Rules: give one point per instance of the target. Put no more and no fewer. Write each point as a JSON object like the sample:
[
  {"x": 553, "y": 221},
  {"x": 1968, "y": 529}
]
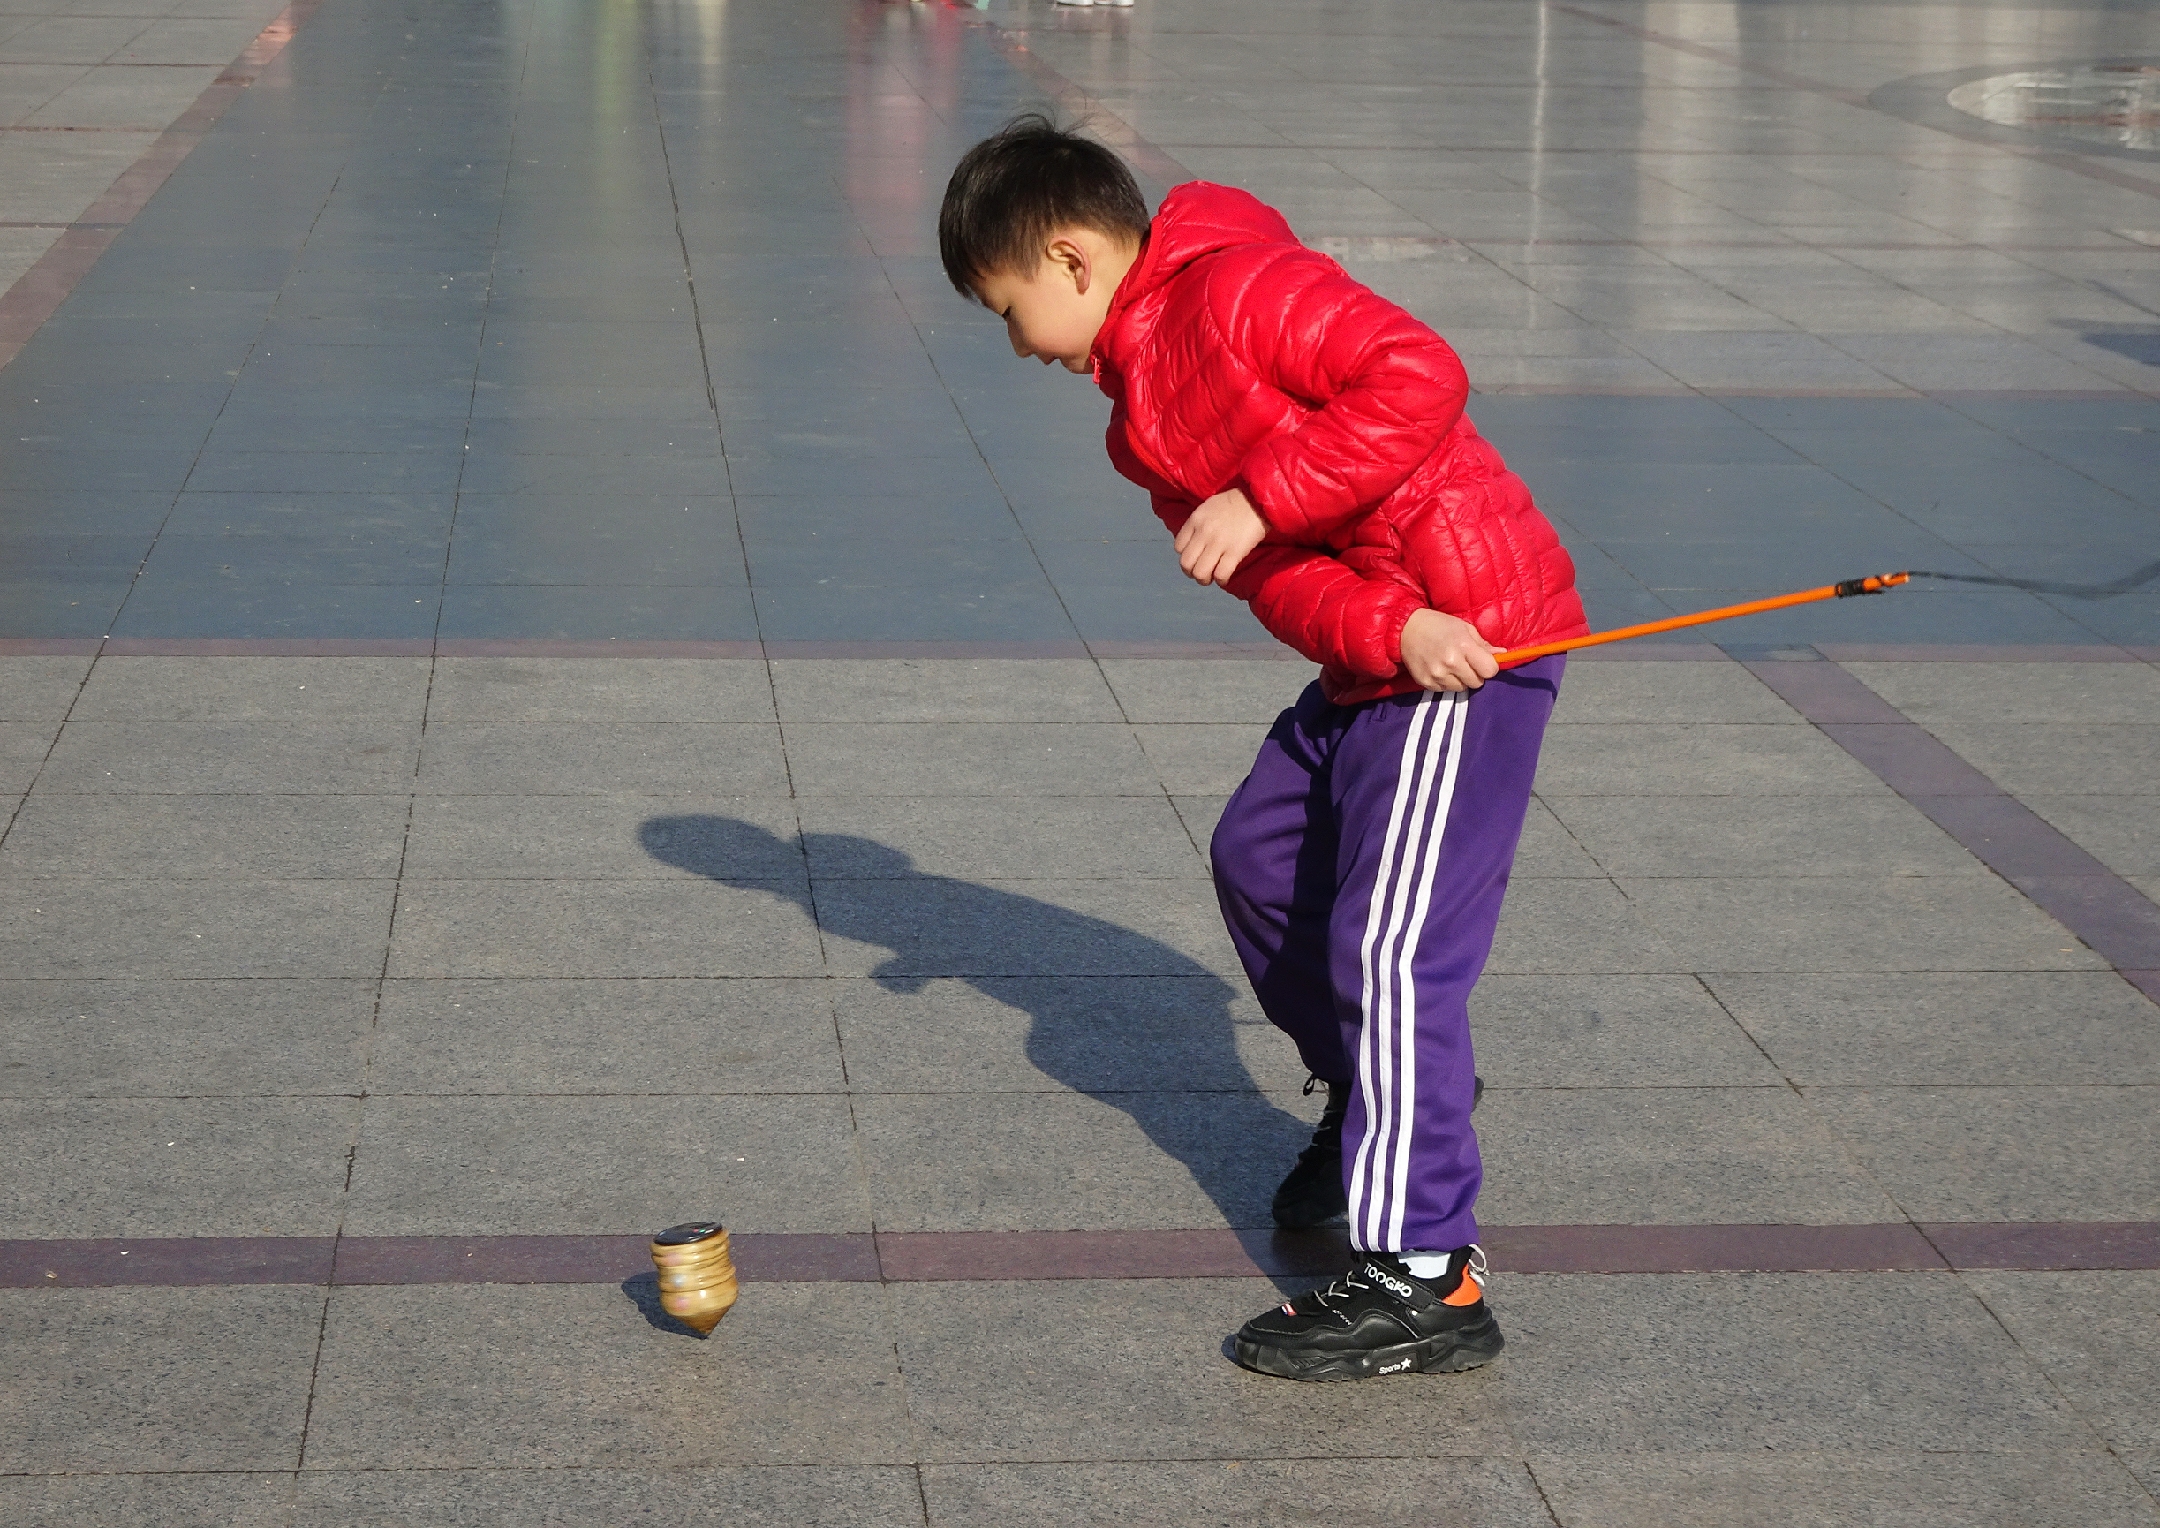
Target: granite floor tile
[
  {"x": 1698, "y": 759},
  {"x": 1610, "y": 1032},
  {"x": 1059, "y": 1161},
  {"x": 873, "y": 1496},
  {"x": 966, "y": 759},
  {"x": 1990, "y": 694},
  {"x": 389, "y": 691},
  {"x": 234, "y": 758},
  {"x": 1866, "y": 1486},
  {"x": 1577, "y": 927},
  {"x": 23, "y": 748},
  {"x": 564, "y": 1165},
  {"x": 1548, "y": 850},
  {"x": 908, "y": 690},
  {"x": 1664, "y": 694},
  {"x": 162, "y": 1379},
  {"x": 467, "y": 928},
  {"x": 2093, "y": 1334},
  {"x": 1854, "y": 923},
  {"x": 747, "y": 1036},
  {"x": 1222, "y": 690},
  {"x": 591, "y": 758},
  {"x": 1679, "y": 1364},
  {"x": 2003, "y": 1152},
  {"x": 1202, "y": 759},
  {"x": 2068, "y": 758},
  {"x": 39, "y": 690},
  {"x": 204, "y": 837},
  {"x": 1740, "y": 836},
  {"x": 228, "y": 1499},
  {"x": 2122, "y": 832},
  {"x": 1953, "y": 1029},
  {"x": 1233, "y": 1493},
  {"x": 176, "y": 1166},
  {"x": 981, "y": 1392},
  {"x": 1667, "y": 1155},
  {"x": 135, "y": 1039},
  {"x": 998, "y": 837},
  {"x": 903, "y": 930},
  {"x": 600, "y": 838},
  {"x": 74, "y": 927},
  {"x": 599, "y": 690},
  {"x": 555, "y": 1377}
]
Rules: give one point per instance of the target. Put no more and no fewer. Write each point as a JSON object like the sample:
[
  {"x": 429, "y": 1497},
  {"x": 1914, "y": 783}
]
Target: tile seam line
[{"x": 38, "y": 293}]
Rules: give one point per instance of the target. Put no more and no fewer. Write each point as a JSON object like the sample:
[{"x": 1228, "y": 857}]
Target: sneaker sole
[{"x": 1449, "y": 1353}]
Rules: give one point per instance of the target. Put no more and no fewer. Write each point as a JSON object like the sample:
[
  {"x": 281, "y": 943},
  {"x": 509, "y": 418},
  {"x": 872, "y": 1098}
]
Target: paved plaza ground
[{"x": 554, "y": 680}]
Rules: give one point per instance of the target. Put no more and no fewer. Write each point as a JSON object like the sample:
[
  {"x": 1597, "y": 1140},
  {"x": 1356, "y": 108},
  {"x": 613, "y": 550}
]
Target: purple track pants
[{"x": 1360, "y": 868}]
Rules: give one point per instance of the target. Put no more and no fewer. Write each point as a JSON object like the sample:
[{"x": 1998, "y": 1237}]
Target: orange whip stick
[{"x": 1846, "y": 590}]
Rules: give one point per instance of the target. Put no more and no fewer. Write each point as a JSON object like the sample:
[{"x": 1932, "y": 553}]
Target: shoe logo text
[
  {"x": 1386, "y": 1281},
  {"x": 1395, "y": 1368}
]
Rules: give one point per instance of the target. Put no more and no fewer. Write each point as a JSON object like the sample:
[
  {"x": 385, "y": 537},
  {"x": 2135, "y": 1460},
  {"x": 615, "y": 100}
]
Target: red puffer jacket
[{"x": 1237, "y": 357}]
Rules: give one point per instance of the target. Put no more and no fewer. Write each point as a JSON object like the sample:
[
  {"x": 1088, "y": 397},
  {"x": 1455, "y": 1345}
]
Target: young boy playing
[{"x": 1304, "y": 441}]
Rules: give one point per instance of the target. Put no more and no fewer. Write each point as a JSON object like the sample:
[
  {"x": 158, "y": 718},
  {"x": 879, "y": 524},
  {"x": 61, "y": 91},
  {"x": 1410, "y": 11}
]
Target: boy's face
[{"x": 1054, "y": 312}]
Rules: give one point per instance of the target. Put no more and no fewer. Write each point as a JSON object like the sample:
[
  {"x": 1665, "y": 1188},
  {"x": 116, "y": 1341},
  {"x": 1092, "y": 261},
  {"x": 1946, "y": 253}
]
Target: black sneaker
[
  {"x": 1379, "y": 1318},
  {"x": 1311, "y": 1194}
]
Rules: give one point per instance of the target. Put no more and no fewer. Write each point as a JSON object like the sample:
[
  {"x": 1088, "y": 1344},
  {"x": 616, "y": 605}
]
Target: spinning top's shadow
[
  {"x": 1161, "y": 1048},
  {"x": 643, "y": 1290}
]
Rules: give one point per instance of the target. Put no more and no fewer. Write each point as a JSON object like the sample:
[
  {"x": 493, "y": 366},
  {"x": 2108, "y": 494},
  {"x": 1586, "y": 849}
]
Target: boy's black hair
[{"x": 1010, "y": 191}]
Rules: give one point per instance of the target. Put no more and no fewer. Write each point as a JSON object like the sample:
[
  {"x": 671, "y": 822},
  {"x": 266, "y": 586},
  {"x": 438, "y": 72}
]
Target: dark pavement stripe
[
  {"x": 2110, "y": 915},
  {"x": 972, "y": 1256}
]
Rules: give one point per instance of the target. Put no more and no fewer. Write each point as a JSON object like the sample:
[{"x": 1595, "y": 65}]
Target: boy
[{"x": 1304, "y": 441}]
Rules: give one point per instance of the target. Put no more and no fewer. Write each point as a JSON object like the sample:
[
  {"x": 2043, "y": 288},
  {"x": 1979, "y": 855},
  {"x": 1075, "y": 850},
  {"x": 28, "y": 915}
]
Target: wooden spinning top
[{"x": 697, "y": 1277}]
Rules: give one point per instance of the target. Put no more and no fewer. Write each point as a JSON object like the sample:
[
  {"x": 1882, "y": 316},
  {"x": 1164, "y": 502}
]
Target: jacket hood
[{"x": 1194, "y": 220}]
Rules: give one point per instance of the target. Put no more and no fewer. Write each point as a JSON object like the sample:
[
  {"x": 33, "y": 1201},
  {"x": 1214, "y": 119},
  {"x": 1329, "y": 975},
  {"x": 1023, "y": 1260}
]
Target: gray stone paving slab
[
  {"x": 982, "y": 1388},
  {"x": 1210, "y": 690},
  {"x": 1694, "y": 759},
  {"x": 176, "y": 1166},
  {"x": 378, "y": 691},
  {"x": 610, "y": 837},
  {"x": 551, "y": 1377},
  {"x": 1671, "y": 1155},
  {"x": 506, "y": 1165},
  {"x": 135, "y": 1039},
  {"x": 592, "y": 758},
  {"x": 1855, "y": 923},
  {"x": 1970, "y": 1029},
  {"x": 1661, "y": 694},
  {"x": 73, "y": 927},
  {"x": 860, "y": 1497},
  {"x": 39, "y": 689},
  {"x": 2061, "y": 757},
  {"x": 602, "y": 929},
  {"x": 1858, "y": 836},
  {"x": 1566, "y": 927},
  {"x": 223, "y": 1500},
  {"x": 999, "y": 837},
  {"x": 1057, "y": 1161},
  {"x": 2122, "y": 832},
  {"x": 2093, "y": 1335},
  {"x": 1727, "y": 1361},
  {"x": 244, "y": 757},
  {"x": 1230, "y": 1493},
  {"x": 897, "y": 930},
  {"x": 606, "y": 1037},
  {"x": 940, "y": 690},
  {"x": 1610, "y": 1032},
  {"x": 1202, "y": 759},
  {"x": 599, "y": 690},
  {"x": 1967, "y": 693},
  {"x": 1983, "y": 1489},
  {"x": 966, "y": 759},
  {"x": 357, "y": 837},
  {"x": 162, "y": 1379},
  {"x": 1967, "y": 1153},
  {"x": 23, "y": 747}
]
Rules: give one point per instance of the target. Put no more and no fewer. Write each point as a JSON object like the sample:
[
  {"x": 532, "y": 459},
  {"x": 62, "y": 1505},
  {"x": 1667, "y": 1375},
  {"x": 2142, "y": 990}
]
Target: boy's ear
[{"x": 1072, "y": 258}]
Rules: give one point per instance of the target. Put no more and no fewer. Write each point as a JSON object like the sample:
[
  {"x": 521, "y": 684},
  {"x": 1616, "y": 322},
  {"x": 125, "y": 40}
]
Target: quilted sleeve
[
  {"x": 1386, "y": 390},
  {"x": 1326, "y": 610}
]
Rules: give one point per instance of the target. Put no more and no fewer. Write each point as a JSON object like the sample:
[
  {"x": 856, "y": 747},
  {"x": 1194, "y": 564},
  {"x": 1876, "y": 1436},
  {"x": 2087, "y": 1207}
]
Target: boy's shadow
[{"x": 1159, "y": 1046}]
